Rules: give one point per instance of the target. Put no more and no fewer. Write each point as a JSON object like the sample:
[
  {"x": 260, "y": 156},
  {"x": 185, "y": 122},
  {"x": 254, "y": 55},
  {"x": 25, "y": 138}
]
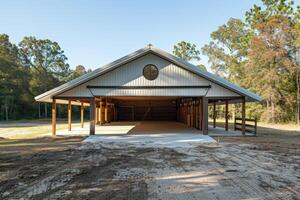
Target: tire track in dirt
[
  {"x": 55, "y": 178},
  {"x": 277, "y": 175},
  {"x": 247, "y": 183}
]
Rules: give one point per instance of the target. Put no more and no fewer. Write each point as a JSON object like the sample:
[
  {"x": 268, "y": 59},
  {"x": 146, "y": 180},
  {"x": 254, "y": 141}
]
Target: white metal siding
[
  {"x": 131, "y": 74},
  {"x": 189, "y": 92}
]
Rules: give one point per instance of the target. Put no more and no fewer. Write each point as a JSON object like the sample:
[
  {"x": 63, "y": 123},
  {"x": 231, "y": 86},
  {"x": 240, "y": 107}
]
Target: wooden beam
[
  {"x": 82, "y": 115},
  {"x": 92, "y": 116},
  {"x": 243, "y": 116},
  {"x": 226, "y": 115},
  {"x": 205, "y": 115},
  {"x": 53, "y": 117},
  {"x": 69, "y": 115}
]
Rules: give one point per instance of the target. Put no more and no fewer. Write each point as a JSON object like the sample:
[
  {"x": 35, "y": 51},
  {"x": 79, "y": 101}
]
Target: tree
[
  {"x": 79, "y": 70},
  {"x": 13, "y": 80},
  {"x": 47, "y": 64},
  {"x": 270, "y": 65},
  {"x": 186, "y": 51},
  {"x": 202, "y": 67},
  {"x": 228, "y": 50},
  {"x": 262, "y": 53}
]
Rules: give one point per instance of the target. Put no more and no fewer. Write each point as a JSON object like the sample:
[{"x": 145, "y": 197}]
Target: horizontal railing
[{"x": 250, "y": 128}]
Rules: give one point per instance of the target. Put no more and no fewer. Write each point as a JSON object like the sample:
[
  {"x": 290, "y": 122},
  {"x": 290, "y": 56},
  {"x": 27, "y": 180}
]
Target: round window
[{"x": 150, "y": 72}]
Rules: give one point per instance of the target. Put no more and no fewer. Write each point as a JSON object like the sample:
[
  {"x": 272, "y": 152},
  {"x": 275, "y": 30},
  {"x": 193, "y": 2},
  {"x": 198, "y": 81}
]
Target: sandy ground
[{"x": 66, "y": 168}]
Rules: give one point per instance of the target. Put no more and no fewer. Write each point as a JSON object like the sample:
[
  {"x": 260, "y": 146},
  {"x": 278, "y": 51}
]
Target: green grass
[{"x": 25, "y": 129}]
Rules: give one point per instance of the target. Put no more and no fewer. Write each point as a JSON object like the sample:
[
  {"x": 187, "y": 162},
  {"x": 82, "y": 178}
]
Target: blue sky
[{"x": 94, "y": 33}]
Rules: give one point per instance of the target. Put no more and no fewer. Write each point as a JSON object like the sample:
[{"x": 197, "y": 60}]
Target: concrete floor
[
  {"x": 144, "y": 127},
  {"x": 125, "y": 128}
]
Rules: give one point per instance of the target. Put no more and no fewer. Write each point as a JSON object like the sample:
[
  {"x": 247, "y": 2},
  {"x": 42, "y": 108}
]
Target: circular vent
[{"x": 150, "y": 72}]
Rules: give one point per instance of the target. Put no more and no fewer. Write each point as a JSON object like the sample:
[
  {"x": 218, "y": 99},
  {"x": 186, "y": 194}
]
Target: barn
[{"x": 148, "y": 85}]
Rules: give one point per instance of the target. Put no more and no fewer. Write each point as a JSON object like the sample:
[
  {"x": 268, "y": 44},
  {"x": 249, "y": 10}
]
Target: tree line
[
  {"x": 28, "y": 69},
  {"x": 260, "y": 52}
]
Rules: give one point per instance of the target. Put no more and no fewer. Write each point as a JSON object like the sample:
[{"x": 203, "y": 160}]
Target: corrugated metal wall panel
[
  {"x": 150, "y": 92},
  {"x": 131, "y": 74}
]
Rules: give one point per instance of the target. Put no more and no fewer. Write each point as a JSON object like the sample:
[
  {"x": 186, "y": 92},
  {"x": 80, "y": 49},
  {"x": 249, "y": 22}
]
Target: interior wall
[{"x": 147, "y": 110}]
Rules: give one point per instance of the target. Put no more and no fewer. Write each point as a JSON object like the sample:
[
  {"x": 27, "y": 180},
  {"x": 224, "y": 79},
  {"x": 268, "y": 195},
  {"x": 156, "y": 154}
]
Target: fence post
[
  {"x": 234, "y": 124},
  {"x": 255, "y": 128}
]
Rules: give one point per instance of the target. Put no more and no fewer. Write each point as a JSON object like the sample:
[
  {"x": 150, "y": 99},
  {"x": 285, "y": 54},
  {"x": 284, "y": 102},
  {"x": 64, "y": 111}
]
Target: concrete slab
[
  {"x": 167, "y": 140},
  {"x": 143, "y": 128},
  {"x": 132, "y": 128}
]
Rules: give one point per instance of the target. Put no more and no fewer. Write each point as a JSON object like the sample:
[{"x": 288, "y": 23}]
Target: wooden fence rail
[{"x": 250, "y": 128}]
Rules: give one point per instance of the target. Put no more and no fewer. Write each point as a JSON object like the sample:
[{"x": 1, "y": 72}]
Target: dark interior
[{"x": 147, "y": 110}]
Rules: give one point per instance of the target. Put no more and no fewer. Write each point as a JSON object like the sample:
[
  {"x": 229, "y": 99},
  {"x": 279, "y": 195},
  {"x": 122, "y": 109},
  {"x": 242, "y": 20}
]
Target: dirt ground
[{"x": 235, "y": 168}]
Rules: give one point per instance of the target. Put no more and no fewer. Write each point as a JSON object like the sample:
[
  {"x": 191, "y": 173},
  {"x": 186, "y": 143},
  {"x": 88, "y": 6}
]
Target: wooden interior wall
[
  {"x": 185, "y": 110},
  {"x": 154, "y": 110},
  {"x": 190, "y": 111}
]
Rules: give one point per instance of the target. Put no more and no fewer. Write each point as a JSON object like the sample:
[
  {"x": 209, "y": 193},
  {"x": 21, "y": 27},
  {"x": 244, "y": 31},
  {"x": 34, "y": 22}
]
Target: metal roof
[{"x": 250, "y": 96}]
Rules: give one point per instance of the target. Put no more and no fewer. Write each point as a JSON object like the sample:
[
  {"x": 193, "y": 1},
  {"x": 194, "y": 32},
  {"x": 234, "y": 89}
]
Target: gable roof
[{"x": 250, "y": 96}]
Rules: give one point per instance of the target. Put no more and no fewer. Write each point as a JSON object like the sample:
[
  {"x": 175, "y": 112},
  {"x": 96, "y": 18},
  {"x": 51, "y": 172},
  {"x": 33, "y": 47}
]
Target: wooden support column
[
  {"x": 82, "y": 114},
  {"x": 197, "y": 114},
  {"x": 189, "y": 114},
  {"x": 92, "y": 116},
  {"x": 115, "y": 113},
  {"x": 101, "y": 112},
  {"x": 200, "y": 113},
  {"x": 214, "y": 114},
  {"x": 106, "y": 112},
  {"x": 243, "y": 116},
  {"x": 69, "y": 115},
  {"x": 53, "y": 117},
  {"x": 192, "y": 114},
  {"x": 205, "y": 115},
  {"x": 226, "y": 115},
  {"x": 97, "y": 114}
]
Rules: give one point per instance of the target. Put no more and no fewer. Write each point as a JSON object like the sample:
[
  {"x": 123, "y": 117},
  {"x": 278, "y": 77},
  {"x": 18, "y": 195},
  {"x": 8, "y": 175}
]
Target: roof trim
[{"x": 250, "y": 96}]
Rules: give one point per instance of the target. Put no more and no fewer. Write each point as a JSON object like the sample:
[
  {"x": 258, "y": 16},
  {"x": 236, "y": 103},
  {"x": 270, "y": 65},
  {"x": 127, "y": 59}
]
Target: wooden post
[
  {"x": 69, "y": 115},
  {"x": 92, "y": 116},
  {"x": 101, "y": 112},
  {"x": 197, "y": 114},
  {"x": 192, "y": 113},
  {"x": 99, "y": 117},
  {"x": 226, "y": 115},
  {"x": 200, "y": 113},
  {"x": 214, "y": 114},
  {"x": 205, "y": 115},
  {"x": 97, "y": 114},
  {"x": 82, "y": 114},
  {"x": 243, "y": 116},
  {"x": 106, "y": 110},
  {"x": 115, "y": 113},
  {"x": 53, "y": 117},
  {"x": 234, "y": 125},
  {"x": 132, "y": 113},
  {"x": 255, "y": 127}
]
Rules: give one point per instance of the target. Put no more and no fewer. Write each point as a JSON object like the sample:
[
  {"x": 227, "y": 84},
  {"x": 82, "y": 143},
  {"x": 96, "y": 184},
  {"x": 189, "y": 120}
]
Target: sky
[{"x": 93, "y": 33}]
